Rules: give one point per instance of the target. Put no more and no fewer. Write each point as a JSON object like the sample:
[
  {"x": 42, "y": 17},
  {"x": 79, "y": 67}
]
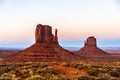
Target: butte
[
  {"x": 45, "y": 49},
  {"x": 90, "y": 48}
]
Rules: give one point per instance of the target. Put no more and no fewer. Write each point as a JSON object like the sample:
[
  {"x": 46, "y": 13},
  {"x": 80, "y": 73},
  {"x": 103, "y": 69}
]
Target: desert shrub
[
  {"x": 64, "y": 78},
  {"x": 93, "y": 72},
  {"x": 78, "y": 66},
  {"x": 43, "y": 65},
  {"x": 104, "y": 70},
  {"x": 28, "y": 63},
  {"x": 85, "y": 78},
  {"x": 20, "y": 64},
  {"x": 74, "y": 65},
  {"x": 118, "y": 69},
  {"x": 54, "y": 63},
  {"x": 6, "y": 69},
  {"x": 94, "y": 66},
  {"x": 65, "y": 64},
  {"x": 1, "y": 71},
  {"x": 102, "y": 78},
  {"x": 25, "y": 75},
  {"x": 49, "y": 76},
  {"x": 35, "y": 77},
  {"x": 82, "y": 67},
  {"x": 16, "y": 72},
  {"x": 49, "y": 70},
  {"x": 6, "y": 77},
  {"x": 115, "y": 74},
  {"x": 35, "y": 65}
]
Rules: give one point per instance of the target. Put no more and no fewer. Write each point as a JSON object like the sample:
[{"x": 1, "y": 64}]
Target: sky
[{"x": 75, "y": 20}]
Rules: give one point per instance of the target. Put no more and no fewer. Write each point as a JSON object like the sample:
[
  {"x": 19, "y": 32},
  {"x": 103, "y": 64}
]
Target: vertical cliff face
[
  {"x": 90, "y": 48},
  {"x": 46, "y": 48},
  {"x": 91, "y": 41},
  {"x": 43, "y": 34}
]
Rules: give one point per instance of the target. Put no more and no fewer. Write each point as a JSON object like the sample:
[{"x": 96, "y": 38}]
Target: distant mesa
[
  {"x": 46, "y": 48},
  {"x": 90, "y": 48}
]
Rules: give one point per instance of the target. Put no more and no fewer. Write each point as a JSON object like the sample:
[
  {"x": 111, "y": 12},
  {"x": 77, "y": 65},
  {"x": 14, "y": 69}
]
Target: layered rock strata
[{"x": 46, "y": 48}]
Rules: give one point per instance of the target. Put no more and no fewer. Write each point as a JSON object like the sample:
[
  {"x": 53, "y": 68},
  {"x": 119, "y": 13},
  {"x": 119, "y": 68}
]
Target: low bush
[
  {"x": 49, "y": 70},
  {"x": 102, "y": 78},
  {"x": 65, "y": 64},
  {"x": 85, "y": 78},
  {"x": 79, "y": 66},
  {"x": 115, "y": 74},
  {"x": 35, "y": 77},
  {"x": 25, "y": 75},
  {"x": 93, "y": 72},
  {"x": 43, "y": 65}
]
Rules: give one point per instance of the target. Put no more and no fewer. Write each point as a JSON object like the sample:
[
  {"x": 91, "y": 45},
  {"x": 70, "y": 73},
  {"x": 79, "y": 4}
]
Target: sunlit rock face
[
  {"x": 91, "y": 41},
  {"x": 90, "y": 48},
  {"x": 45, "y": 48},
  {"x": 43, "y": 34}
]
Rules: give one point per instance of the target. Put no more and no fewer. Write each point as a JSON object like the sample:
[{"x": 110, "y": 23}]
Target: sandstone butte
[
  {"x": 90, "y": 48},
  {"x": 46, "y": 48}
]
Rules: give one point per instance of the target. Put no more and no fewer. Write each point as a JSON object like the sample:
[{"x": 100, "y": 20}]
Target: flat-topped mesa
[
  {"x": 91, "y": 41},
  {"x": 43, "y": 34}
]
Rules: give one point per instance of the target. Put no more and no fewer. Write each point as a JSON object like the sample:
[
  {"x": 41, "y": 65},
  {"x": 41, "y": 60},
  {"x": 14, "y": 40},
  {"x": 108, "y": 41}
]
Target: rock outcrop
[
  {"x": 43, "y": 34},
  {"x": 91, "y": 41},
  {"x": 46, "y": 48},
  {"x": 90, "y": 48}
]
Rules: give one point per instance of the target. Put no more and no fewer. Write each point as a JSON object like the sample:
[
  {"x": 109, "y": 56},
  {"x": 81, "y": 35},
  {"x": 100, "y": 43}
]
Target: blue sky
[{"x": 74, "y": 19}]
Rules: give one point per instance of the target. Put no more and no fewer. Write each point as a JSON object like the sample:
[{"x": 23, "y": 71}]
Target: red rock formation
[
  {"x": 56, "y": 37},
  {"x": 91, "y": 41},
  {"x": 46, "y": 48},
  {"x": 43, "y": 34},
  {"x": 90, "y": 48}
]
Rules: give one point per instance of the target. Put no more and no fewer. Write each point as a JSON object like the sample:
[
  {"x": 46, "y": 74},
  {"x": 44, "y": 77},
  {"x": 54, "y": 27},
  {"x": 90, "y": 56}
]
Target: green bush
[
  {"x": 74, "y": 65},
  {"x": 102, "y": 78},
  {"x": 65, "y": 64},
  {"x": 35, "y": 65},
  {"x": 64, "y": 78},
  {"x": 7, "y": 69},
  {"x": 106, "y": 69},
  {"x": 97, "y": 66},
  {"x": 35, "y": 77},
  {"x": 49, "y": 70},
  {"x": 7, "y": 77},
  {"x": 43, "y": 65},
  {"x": 16, "y": 72},
  {"x": 85, "y": 78},
  {"x": 79, "y": 66},
  {"x": 93, "y": 72},
  {"x": 26, "y": 75},
  {"x": 115, "y": 74}
]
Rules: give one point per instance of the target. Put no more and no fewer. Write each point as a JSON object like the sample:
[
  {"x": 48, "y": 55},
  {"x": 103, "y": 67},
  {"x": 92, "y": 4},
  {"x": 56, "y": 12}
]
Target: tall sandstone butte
[
  {"x": 90, "y": 48},
  {"x": 91, "y": 41},
  {"x": 46, "y": 48},
  {"x": 43, "y": 34}
]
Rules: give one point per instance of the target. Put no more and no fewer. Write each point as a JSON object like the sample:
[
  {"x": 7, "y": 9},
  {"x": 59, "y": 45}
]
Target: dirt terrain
[{"x": 4, "y": 53}]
